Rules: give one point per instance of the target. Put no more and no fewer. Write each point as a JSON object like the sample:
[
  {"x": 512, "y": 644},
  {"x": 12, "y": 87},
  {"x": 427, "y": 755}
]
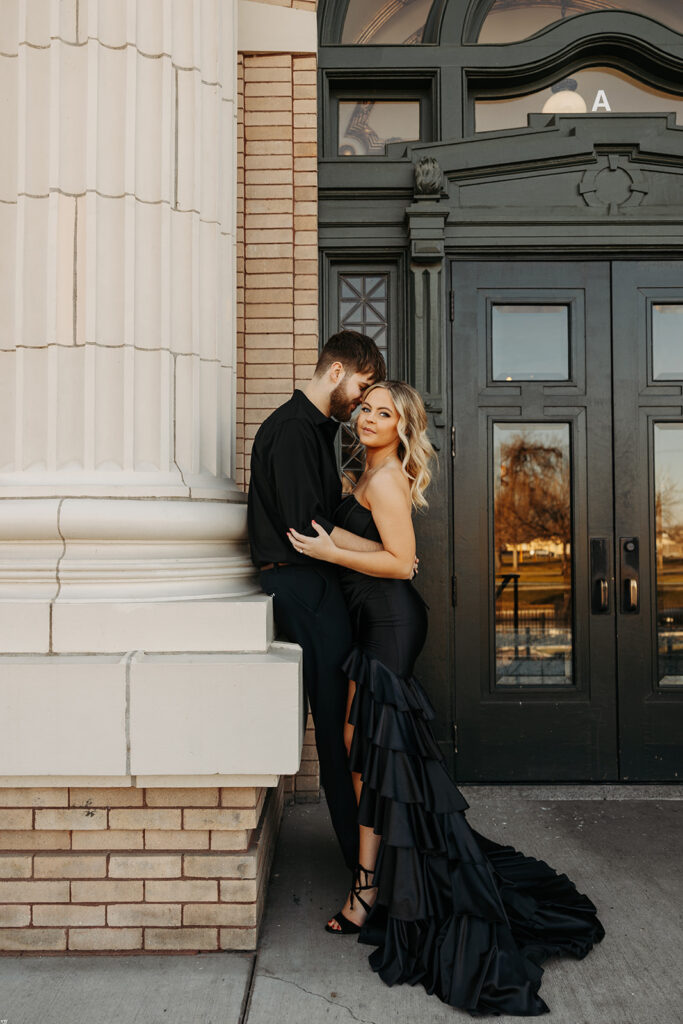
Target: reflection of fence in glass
[
  {"x": 532, "y": 545},
  {"x": 669, "y": 551}
]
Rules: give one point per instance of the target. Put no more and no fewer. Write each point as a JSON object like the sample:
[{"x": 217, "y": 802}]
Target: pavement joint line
[
  {"x": 248, "y": 991},
  {"x": 318, "y": 995}
]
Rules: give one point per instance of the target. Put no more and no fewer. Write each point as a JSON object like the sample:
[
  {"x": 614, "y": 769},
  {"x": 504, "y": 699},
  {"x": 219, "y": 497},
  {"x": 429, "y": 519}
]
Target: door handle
[
  {"x": 629, "y": 557},
  {"x": 600, "y": 572},
  {"x": 631, "y": 595},
  {"x": 603, "y": 594}
]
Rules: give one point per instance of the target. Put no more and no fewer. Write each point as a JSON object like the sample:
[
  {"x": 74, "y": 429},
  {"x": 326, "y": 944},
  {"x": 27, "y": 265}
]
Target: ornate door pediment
[{"x": 573, "y": 181}]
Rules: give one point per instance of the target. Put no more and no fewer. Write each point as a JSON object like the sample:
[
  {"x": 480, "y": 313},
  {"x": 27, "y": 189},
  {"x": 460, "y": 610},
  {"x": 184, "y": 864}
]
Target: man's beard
[{"x": 341, "y": 408}]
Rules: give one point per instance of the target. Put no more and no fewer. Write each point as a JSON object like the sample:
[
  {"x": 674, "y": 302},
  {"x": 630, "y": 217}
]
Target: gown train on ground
[{"x": 468, "y": 918}]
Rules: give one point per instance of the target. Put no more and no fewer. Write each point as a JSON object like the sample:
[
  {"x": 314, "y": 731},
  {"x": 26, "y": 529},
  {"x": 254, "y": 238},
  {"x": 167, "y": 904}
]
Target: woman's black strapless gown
[{"x": 469, "y": 919}]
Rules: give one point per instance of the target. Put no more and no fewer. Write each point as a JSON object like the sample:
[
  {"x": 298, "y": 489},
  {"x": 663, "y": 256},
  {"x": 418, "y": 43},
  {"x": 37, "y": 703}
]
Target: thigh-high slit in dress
[{"x": 466, "y": 917}]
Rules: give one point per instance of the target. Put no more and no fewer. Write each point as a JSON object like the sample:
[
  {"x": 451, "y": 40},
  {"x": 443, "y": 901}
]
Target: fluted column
[{"x": 117, "y": 340}]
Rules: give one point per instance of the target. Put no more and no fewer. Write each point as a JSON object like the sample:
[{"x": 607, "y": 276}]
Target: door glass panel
[
  {"x": 508, "y": 21},
  {"x": 530, "y": 342},
  {"x": 669, "y": 551},
  {"x": 667, "y": 342},
  {"x": 386, "y": 21},
  {"x": 597, "y": 90},
  {"x": 366, "y": 126},
  {"x": 532, "y": 549},
  {"x": 363, "y": 306}
]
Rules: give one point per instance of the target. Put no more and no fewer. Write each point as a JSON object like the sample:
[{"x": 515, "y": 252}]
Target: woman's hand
[{"x": 321, "y": 547}]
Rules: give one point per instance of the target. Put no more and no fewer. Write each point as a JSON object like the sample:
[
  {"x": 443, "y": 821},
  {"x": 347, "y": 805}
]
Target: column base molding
[{"x": 139, "y": 549}]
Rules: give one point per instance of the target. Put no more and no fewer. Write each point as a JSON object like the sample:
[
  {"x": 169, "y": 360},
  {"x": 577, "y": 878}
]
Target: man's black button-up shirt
[{"x": 294, "y": 479}]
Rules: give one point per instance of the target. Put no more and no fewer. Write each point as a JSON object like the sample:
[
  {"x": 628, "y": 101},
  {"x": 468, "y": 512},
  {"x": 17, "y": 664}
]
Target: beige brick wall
[
  {"x": 277, "y": 250},
  {"x": 134, "y": 869},
  {"x": 304, "y": 787},
  {"x": 277, "y": 261}
]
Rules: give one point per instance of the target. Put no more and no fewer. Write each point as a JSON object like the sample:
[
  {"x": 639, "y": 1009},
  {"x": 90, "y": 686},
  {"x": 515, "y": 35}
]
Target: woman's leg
[{"x": 368, "y": 840}]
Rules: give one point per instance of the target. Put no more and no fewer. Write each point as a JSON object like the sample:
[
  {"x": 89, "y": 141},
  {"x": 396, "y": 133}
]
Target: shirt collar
[{"x": 313, "y": 413}]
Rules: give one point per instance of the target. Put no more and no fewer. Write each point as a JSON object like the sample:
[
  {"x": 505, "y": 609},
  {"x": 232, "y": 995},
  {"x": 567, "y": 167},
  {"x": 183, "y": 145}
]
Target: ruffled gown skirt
[{"x": 468, "y": 918}]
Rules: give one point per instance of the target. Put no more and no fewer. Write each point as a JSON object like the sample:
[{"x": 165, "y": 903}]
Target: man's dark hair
[{"x": 355, "y": 351}]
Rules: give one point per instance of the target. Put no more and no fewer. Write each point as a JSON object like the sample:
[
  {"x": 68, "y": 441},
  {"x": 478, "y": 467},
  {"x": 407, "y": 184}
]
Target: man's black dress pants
[{"x": 310, "y": 611}]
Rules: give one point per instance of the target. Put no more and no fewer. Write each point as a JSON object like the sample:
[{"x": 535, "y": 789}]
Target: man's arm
[{"x": 298, "y": 487}]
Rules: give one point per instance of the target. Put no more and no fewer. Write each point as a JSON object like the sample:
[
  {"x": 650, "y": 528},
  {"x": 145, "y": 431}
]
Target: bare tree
[{"x": 533, "y": 499}]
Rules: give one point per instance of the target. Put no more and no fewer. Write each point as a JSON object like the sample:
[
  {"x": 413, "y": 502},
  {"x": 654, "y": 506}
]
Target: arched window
[
  {"x": 386, "y": 21},
  {"x": 509, "y": 21}
]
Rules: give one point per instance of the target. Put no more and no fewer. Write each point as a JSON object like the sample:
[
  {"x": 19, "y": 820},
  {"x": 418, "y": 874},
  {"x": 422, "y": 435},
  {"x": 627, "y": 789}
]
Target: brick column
[
  {"x": 277, "y": 250},
  {"x": 277, "y": 262}
]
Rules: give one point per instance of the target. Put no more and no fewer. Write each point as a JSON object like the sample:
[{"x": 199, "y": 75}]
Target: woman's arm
[
  {"x": 389, "y": 501},
  {"x": 352, "y": 542}
]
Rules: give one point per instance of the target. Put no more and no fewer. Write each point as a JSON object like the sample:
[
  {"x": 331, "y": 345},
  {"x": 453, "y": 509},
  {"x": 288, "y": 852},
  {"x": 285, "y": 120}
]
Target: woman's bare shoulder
[{"x": 388, "y": 483}]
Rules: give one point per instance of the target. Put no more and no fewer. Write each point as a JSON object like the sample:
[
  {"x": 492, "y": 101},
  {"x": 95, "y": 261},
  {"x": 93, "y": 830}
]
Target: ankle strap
[{"x": 357, "y": 888}]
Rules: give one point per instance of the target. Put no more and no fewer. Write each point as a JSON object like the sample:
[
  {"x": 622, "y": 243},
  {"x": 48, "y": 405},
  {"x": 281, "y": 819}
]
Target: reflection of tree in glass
[
  {"x": 533, "y": 500},
  {"x": 669, "y": 508}
]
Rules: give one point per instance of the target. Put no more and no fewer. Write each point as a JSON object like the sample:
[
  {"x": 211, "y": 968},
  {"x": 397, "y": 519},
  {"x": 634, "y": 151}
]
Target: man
[{"x": 294, "y": 479}]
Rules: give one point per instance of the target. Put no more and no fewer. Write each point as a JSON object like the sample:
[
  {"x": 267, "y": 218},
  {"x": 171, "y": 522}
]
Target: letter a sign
[{"x": 600, "y": 102}]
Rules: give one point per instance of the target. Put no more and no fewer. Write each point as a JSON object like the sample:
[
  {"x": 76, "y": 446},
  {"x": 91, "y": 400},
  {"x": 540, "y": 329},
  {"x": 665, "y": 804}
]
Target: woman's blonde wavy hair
[{"x": 414, "y": 449}]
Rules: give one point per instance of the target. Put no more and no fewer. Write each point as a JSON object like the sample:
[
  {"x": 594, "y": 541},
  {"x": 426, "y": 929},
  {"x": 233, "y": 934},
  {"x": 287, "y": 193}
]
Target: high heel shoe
[{"x": 347, "y": 927}]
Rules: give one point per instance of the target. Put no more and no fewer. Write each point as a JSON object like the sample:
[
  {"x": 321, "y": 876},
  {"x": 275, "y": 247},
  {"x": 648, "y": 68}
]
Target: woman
[{"x": 468, "y": 918}]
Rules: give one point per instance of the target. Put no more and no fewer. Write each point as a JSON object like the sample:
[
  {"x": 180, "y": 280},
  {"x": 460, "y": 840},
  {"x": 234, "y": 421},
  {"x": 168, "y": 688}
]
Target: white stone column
[
  {"x": 129, "y": 608},
  {"x": 117, "y": 340}
]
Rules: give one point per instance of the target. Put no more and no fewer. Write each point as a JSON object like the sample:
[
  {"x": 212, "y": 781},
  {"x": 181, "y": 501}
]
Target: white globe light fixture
[{"x": 565, "y": 99}]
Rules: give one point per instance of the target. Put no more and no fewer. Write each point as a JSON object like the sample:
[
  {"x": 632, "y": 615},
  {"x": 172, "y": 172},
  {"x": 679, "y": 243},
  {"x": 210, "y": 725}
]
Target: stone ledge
[
  {"x": 220, "y": 625},
  {"x": 216, "y": 713},
  {"x": 195, "y": 719}
]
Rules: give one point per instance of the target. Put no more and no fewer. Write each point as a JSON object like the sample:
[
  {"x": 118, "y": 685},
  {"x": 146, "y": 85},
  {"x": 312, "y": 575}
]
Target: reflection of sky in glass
[
  {"x": 667, "y": 342},
  {"x": 511, "y": 20},
  {"x": 530, "y": 342},
  {"x": 669, "y": 469}
]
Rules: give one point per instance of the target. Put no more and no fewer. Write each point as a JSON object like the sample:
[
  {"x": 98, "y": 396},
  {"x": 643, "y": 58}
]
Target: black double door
[{"x": 568, "y": 519}]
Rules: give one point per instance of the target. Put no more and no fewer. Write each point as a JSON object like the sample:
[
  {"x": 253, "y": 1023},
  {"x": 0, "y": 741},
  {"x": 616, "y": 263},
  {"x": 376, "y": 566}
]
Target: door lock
[{"x": 630, "y": 575}]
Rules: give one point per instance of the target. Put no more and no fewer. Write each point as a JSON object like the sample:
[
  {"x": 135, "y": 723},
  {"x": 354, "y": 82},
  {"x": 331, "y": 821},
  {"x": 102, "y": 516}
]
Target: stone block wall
[{"x": 134, "y": 870}]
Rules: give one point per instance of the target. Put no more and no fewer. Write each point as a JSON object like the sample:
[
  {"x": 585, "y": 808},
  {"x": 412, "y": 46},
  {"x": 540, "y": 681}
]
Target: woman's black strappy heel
[{"x": 347, "y": 927}]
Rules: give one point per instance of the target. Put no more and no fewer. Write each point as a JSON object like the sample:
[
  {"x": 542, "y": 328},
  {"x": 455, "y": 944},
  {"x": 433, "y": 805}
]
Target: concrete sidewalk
[{"x": 623, "y": 851}]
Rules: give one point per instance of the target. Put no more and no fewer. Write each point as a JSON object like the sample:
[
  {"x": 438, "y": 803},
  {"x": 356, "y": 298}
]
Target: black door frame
[
  {"x": 651, "y": 717},
  {"x": 547, "y": 733},
  {"x": 507, "y": 195}
]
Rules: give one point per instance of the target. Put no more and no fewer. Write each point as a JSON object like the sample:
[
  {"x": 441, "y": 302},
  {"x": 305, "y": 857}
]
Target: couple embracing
[{"x": 469, "y": 919}]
